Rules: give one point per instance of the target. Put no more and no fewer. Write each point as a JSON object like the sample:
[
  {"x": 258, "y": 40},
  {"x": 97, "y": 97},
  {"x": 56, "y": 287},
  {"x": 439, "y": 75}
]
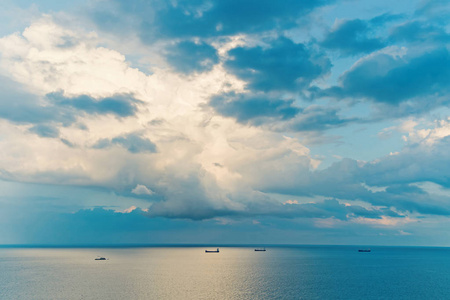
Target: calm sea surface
[{"x": 305, "y": 272}]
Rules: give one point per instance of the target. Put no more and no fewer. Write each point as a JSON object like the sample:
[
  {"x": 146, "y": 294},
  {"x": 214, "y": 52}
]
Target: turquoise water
[{"x": 306, "y": 272}]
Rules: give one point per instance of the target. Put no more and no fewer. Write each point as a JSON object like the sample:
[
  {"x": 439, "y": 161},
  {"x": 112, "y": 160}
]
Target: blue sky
[{"x": 295, "y": 122}]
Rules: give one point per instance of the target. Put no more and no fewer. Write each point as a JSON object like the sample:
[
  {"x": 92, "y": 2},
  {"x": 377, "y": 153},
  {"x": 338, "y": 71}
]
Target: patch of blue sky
[
  {"x": 46, "y": 6},
  {"x": 370, "y": 141},
  {"x": 358, "y": 141},
  {"x": 140, "y": 62},
  {"x": 339, "y": 65},
  {"x": 367, "y": 9}
]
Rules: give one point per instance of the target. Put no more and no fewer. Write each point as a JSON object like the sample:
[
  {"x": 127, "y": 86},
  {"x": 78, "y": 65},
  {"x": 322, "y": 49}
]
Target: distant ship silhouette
[
  {"x": 212, "y": 251},
  {"x": 260, "y": 249},
  {"x": 100, "y": 258}
]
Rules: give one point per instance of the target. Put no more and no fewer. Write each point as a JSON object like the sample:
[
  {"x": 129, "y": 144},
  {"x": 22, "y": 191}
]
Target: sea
[{"x": 182, "y": 272}]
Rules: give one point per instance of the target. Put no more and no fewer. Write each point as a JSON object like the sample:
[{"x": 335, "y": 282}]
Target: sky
[{"x": 225, "y": 122}]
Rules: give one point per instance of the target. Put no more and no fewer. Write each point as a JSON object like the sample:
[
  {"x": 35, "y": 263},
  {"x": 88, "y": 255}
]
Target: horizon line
[{"x": 193, "y": 245}]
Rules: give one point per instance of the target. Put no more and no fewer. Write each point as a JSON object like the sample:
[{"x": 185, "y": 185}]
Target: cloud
[
  {"x": 388, "y": 79},
  {"x": 141, "y": 189},
  {"x": 254, "y": 108},
  {"x": 204, "y": 156},
  {"x": 290, "y": 202},
  {"x": 358, "y": 36},
  {"x": 48, "y": 113},
  {"x": 416, "y": 163},
  {"x": 103, "y": 226},
  {"x": 399, "y": 173},
  {"x": 352, "y": 37},
  {"x": 283, "y": 66},
  {"x": 45, "y": 131},
  {"x": 19, "y": 106},
  {"x": 402, "y": 175},
  {"x": 190, "y": 57},
  {"x": 258, "y": 205},
  {"x": 186, "y": 19},
  {"x": 36, "y": 59},
  {"x": 227, "y": 145},
  {"x": 119, "y": 105},
  {"x": 318, "y": 118},
  {"x": 130, "y": 209},
  {"x": 436, "y": 10},
  {"x": 133, "y": 142},
  {"x": 262, "y": 109},
  {"x": 419, "y": 32}
]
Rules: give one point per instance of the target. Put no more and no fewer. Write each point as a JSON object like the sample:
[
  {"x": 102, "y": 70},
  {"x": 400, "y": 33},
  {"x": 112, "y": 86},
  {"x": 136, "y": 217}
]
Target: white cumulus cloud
[{"x": 141, "y": 189}]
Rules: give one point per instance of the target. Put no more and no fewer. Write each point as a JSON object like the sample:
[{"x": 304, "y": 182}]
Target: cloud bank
[{"x": 226, "y": 112}]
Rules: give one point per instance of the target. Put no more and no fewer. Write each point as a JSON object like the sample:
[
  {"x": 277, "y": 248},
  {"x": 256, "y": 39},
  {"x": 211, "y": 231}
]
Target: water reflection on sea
[{"x": 306, "y": 272}]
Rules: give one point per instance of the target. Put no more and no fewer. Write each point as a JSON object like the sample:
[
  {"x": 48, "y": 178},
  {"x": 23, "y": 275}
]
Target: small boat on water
[
  {"x": 212, "y": 251},
  {"x": 260, "y": 249},
  {"x": 364, "y": 250},
  {"x": 100, "y": 258}
]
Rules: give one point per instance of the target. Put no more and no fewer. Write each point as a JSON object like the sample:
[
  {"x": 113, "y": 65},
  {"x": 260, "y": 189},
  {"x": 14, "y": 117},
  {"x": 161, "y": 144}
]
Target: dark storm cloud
[
  {"x": 283, "y": 66},
  {"x": 190, "y": 57}
]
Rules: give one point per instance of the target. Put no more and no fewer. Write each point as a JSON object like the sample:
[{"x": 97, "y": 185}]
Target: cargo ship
[{"x": 212, "y": 251}]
